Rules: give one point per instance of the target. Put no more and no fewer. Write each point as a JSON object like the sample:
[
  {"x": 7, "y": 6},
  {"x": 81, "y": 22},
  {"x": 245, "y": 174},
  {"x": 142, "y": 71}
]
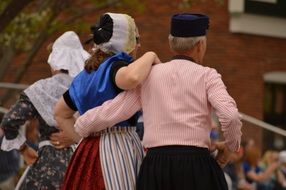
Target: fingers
[
  {"x": 61, "y": 146},
  {"x": 55, "y": 136},
  {"x": 220, "y": 145},
  {"x": 157, "y": 60},
  {"x": 221, "y": 165},
  {"x": 222, "y": 161},
  {"x": 55, "y": 142},
  {"x": 30, "y": 156},
  {"x": 222, "y": 158}
]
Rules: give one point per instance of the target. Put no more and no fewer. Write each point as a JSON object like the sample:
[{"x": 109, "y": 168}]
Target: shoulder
[
  {"x": 211, "y": 74},
  {"x": 42, "y": 82},
  {"x": 119, "y": 63},
  {"x": 116, "y": 65}
]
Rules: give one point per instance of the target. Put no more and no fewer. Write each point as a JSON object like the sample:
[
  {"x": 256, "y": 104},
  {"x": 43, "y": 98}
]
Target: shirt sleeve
[
  {"x": 122, "y": 107},
  {"x": 114, "y": 68},
  {"x": 69, "y": 101},
  {"x": 22, "y": 111},
  {"x": 225, "y": 108}
]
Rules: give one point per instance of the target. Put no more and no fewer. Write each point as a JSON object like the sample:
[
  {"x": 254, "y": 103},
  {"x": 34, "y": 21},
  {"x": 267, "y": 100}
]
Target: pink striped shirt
[{"x": 177, "y": 99}]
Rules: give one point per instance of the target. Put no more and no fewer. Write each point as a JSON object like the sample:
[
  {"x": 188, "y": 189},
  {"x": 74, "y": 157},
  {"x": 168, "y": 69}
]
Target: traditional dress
[
  {"x": 109, "y": 159},
  {"x": 177, "y": 133},
  {"x": 48, "y": 171},
  {"x": 37, "y": 102}
]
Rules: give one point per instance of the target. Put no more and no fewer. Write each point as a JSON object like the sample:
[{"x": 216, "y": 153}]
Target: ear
[{"x": 200, "y": 45}]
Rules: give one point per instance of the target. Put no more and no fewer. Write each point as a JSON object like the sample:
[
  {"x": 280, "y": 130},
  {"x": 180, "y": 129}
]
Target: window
[
  {"x": 260, "y": 17},
  {"x": 275, "y": 8},
  {"x": 275, "y": 108}
]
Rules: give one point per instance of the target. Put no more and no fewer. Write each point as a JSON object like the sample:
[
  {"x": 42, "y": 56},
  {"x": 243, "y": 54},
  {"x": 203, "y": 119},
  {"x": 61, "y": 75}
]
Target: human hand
[
  {"x": 223, "y": 155},
  {"x": 29, "y": 154},
  {"x": 61, "y": 140},
  {"x": 156, "y": 59},
  {"x": 153, "y": 56},
  {"x": 1, "y": 132}
]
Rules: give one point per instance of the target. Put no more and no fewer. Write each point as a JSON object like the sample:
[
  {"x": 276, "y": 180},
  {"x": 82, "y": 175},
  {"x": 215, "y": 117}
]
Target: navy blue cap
[{"x": 189, "y": 25}]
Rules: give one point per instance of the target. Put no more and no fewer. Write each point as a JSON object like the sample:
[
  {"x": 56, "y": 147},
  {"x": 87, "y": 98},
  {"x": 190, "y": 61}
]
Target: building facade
[{"x": 246, "y": 43}]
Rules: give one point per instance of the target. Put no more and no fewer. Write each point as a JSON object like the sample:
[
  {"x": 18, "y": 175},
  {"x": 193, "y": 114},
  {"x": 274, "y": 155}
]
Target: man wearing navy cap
[
  {"x": 177, "y": 99},
  {"x": 187, "y": 36}
]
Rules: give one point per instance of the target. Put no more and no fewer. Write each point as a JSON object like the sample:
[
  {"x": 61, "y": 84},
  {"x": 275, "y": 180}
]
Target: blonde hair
[{"x": 183, "y": 45}]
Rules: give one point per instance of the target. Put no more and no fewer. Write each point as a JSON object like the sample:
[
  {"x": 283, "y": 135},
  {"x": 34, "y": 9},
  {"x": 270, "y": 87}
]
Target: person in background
[
  {"x": 253, "y": 172},
  {"x": 111, "y": 158},
  {"x": 9, "y": 167},
  {"x": 281, "y": 172},
  {"x": 48, "y": 164},
  {"x": 177, "y": 99},
  {"x": 235, "y": 171},
  {"x": 269, "y": 157}
]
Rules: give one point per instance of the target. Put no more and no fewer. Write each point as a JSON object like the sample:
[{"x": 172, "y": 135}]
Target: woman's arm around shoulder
[
  {"x": 132, "y": 75},
  {"x": 63, "y": 114}
]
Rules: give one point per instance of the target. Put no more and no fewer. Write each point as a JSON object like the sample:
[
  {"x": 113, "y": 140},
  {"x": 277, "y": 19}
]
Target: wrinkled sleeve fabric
[
  {"x": 122, "y": 107},
  {"x": 22, "y": 111},
  {"x": 225, "y": 108}
]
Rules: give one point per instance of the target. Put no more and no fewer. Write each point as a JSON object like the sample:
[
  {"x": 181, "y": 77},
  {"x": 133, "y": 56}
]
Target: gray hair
[{"x": 182, "y": 45}]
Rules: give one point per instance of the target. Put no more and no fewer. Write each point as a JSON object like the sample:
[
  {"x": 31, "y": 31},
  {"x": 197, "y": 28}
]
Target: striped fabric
[
  {"x": 177, "y": 99},
  {"x": 121, "y": 154}
]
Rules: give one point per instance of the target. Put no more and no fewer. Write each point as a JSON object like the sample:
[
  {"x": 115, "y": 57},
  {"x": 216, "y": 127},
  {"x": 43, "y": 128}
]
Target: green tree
[{"x": 27, "y": 24}]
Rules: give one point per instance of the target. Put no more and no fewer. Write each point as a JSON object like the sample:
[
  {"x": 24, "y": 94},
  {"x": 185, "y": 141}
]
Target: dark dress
[{"x": 49, "y": 169}]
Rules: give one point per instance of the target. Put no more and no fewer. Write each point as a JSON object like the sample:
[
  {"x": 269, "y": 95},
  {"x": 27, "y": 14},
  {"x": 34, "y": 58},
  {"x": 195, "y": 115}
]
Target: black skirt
[{"x": 180, "y": 168}]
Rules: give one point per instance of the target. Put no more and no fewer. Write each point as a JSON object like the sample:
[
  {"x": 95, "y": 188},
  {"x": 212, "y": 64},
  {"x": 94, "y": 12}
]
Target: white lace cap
[
  {"x": 123, "y": 36},
  {"x": 68, "y": 54}
]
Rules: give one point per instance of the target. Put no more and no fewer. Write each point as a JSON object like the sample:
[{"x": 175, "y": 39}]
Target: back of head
[
  {"x": 112, "y": 34},
  {"x": 252, "y": 155},
  {"x": 115, "y": 33},
  {"x": 186, "y": 31},
  {"x": 68, "y": 54}
]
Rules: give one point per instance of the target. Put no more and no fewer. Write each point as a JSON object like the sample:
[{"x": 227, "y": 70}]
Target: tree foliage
[
  {"x": 29, "y": 24},
  {"x": 26, "y": 24}
]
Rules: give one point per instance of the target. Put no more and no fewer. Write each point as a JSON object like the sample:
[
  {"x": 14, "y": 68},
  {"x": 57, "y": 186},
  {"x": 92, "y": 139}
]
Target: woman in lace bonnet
[{"x": 47, "y": 165}]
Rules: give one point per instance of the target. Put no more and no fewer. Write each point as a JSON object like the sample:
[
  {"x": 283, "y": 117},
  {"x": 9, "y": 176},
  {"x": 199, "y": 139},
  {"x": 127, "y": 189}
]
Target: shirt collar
[{"x": 183, "y": 57}]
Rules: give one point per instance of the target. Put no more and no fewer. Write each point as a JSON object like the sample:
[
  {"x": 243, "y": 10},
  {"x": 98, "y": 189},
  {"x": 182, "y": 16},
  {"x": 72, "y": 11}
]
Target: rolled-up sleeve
[
  {"x": 225, "y": 108},
  {"x": 122, "y": 107}
]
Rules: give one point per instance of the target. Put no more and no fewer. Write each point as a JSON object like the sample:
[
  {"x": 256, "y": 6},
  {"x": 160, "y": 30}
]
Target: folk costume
[
  {"x": 37, "y": 102},
  {"x": 109, "y": 159},
  {"x": 177, "y": 99}
]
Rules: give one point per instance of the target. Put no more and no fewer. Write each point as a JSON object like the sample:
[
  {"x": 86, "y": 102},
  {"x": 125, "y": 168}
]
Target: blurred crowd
[
  {"x": 248, "y": 169},
  {"x": 252, "y": 169}
]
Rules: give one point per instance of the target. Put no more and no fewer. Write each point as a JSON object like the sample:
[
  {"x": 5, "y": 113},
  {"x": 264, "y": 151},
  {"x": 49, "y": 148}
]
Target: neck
[
  {"x": 54, "y": 72},
  {"x": 192, "y": 55}
]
